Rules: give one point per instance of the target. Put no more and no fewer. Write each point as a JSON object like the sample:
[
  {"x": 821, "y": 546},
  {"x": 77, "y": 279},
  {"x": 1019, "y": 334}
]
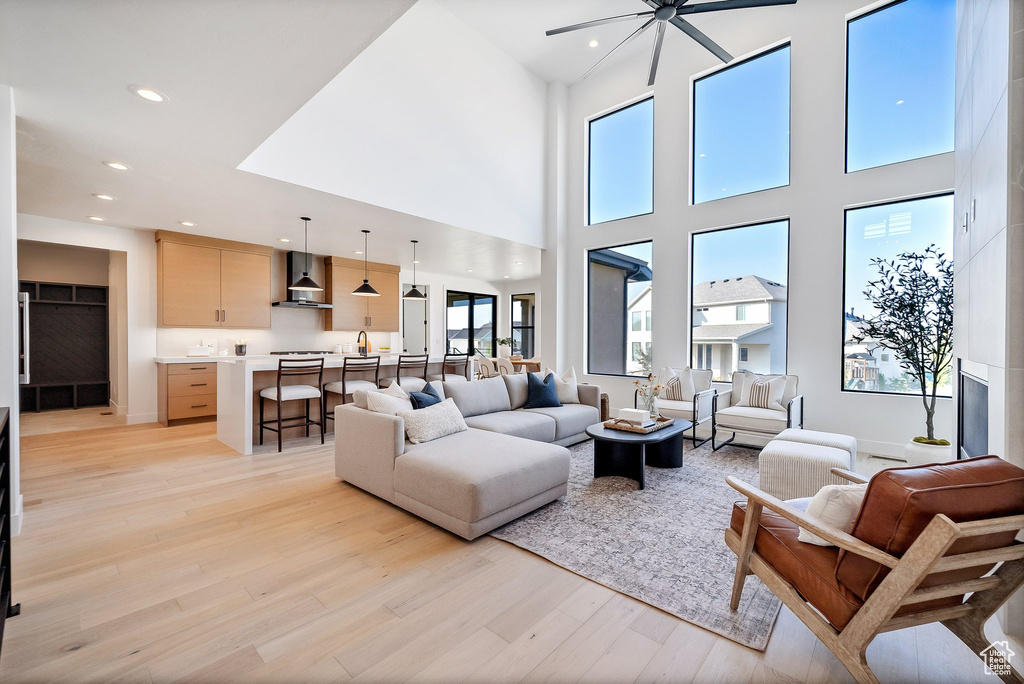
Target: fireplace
[{"x": 972, "y": 415}]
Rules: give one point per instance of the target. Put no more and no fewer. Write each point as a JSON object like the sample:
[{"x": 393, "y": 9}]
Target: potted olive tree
[{"x": 913, "y": 301}]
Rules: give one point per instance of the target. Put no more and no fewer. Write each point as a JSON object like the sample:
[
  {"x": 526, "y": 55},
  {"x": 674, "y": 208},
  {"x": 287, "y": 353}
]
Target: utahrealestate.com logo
[{"x": 997, "y": 658}]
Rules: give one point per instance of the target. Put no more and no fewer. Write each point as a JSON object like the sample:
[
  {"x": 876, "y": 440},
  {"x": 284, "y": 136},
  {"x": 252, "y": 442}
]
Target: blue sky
[
  {"x": 901, "y": 83},
  {"x": 622, "y": 163},
  {"x": 741, "y": 128},
  {"x": 761, "y": 250},
  {"x": 888, "y": 230}
]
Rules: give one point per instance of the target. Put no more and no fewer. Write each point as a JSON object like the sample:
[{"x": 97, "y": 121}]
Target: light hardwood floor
[{"x": 158, "y": 554}]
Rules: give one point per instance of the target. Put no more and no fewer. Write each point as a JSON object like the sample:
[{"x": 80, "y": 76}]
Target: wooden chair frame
[
  {"x": 414, "y": 364},
  {"x": 459, "y": 363},
  {"x": 901, "y": 587},
  {"x": 354, "y": 365},
  {"x": 292, "y": 368}
]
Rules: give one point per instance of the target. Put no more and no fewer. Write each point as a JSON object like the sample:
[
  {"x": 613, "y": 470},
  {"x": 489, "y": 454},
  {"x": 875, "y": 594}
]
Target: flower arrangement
[{"x": 647, "y": 392}]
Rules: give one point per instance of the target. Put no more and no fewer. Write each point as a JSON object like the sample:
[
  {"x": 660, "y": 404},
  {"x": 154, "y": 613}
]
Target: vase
[
  {"x": 240, "y": 350},
  {"x": 651, "y": 406},
  {"x": 918, "y": 454}
]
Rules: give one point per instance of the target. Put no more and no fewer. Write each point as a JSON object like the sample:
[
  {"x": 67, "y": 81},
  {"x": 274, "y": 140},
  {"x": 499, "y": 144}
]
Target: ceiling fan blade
[
  {"x": 629, "y": 39},
  {"x": 695, "y": 33},
  {"x": 729, "y": 5},
  {"x": 597, "y": 22},
  {"x": 656, "y": 55}
]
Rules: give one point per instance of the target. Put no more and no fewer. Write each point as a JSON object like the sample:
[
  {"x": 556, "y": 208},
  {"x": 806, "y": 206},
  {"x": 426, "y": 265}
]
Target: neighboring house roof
[
  {"x": 482, "y": 333},
  {"x": 861, "y": 355},
  {"x": 732, "y": 331},
  {"x": 636, "y": 300},
  {"x": 749, "y": 288},
  {"x": 636, "y": 270}
]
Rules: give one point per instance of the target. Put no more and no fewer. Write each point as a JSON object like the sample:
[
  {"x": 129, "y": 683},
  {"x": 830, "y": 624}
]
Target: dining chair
[{"x": 280, "y": 393}]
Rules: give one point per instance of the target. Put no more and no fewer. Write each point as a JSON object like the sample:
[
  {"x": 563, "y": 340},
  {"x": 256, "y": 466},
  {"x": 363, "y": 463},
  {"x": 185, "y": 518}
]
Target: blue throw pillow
[
  {"x": 428, "y": 397},
  {"x": 541, "y": 393}
]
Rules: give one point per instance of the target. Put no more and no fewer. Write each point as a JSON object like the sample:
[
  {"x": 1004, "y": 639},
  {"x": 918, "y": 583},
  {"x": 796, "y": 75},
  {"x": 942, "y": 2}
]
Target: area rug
[{"x": 663, "y": 545}]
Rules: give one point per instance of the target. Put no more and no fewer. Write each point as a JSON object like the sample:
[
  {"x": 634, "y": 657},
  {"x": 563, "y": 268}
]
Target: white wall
[
  {"x": 9, "y": 390},
  {"x": 431, "y": 120},
  {"x": 814, "y": 203},
  {"x": 140, "y": 305}
]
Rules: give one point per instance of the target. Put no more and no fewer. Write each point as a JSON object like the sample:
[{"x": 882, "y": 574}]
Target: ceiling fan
[{"x": 668, "y": 12}]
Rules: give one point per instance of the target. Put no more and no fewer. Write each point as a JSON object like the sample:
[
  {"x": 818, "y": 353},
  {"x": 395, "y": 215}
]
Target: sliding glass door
[{"x": 470, "y": 323}]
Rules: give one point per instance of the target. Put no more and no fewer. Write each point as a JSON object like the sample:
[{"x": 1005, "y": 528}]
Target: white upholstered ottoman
[{"x": 797, "y": 463}]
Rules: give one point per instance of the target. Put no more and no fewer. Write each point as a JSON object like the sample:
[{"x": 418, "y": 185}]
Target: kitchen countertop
[{"x": 260, "y": 357}]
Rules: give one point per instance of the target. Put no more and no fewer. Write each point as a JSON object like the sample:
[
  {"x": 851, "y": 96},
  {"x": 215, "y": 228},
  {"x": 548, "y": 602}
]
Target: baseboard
[
  {"x": 142, "y": 418},
  {"x": 119, "y": 410},
  {"x": 16, "y": 516}
]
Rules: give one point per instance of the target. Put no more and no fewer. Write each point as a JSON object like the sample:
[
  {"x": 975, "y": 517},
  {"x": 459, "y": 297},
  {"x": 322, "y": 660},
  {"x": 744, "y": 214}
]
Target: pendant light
[
  {"x": 305, "y": 283},
  {"x": 414, "y": 293},
  {"x": 365, "y": 290}
]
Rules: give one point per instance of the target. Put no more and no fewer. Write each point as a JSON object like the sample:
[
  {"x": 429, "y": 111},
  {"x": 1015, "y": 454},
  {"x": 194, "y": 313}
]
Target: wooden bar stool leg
[
  {"x": 323, "y": 412},
  {"x": 280, "y": 445},
  {"x": 307, "y": 417},
  {"x": 261, "y": 420}
]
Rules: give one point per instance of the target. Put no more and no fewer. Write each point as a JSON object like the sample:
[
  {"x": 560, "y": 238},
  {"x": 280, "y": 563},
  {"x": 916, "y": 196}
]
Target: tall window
[
  {"x": 900, "y": 83},
  {"x": 739, "y": 299},
  {"x": 885, "y": 231},
  {"x": 524, "y": 311},
  {"x": 741, "y": 128},
  {"x": 620, "y": 281},
  {"x": 621, "y": 163},
  {"x": 470, "y": 323}
]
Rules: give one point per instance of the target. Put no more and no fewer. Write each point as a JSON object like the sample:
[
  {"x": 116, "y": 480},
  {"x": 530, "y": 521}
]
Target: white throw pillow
[
  {"x": 834, "y": 506},
  {"x": 678, "y": 385},
  {"x": 565, "y": 386},
  {"x": 433, "y": 422},
  {"x": 390, "y": 401},
  {"x": 763, "y": 391}
]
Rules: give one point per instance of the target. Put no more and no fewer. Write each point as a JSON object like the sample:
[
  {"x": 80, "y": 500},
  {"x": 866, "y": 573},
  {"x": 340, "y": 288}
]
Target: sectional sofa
[{"x": 510, "y": 461}]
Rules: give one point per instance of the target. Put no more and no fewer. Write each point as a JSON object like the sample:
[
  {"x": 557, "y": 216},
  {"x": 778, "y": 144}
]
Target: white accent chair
[
  {"x": 765, "y": 423},
  {"x": 696, "y": 409},
  {"x": 504, "y": 366}
]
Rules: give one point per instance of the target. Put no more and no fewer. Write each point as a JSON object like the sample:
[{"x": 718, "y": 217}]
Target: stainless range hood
[{"x": 300, "y": 299}]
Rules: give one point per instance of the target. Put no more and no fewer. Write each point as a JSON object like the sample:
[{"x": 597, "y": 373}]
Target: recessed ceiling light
[
  {"x": 190, "y": 224},
  {"x": 506, "y": 276},
  {"x": 519, "y": 263},
  {"x": 469, "y": 270},
  {"x": 358, "y": 251},
  {"x": 108, "y": 198},
  {"x": 593, "y": 43},
  {"x": 148, "y": 93},
  {"x": 285, "y": 239},
  {"x": 415, "y": 261},
  {"x": 117, "y": 165},
  {"x": 96, "y": 218}
]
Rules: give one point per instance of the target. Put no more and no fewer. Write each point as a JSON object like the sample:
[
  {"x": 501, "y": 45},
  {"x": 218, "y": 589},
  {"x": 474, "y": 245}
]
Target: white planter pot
[
  {"x": 923, "y": 454},
  {"x": 504, "y": 350}
]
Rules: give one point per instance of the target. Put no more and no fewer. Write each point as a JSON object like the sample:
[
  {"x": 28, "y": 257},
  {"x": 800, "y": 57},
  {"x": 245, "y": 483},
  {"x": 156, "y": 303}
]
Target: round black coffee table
[{"x": 617, "y": 452}]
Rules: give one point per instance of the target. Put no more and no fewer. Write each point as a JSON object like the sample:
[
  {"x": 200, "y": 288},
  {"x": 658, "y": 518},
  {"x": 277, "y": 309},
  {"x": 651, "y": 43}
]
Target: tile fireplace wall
[{"x": 989, "y": 205}]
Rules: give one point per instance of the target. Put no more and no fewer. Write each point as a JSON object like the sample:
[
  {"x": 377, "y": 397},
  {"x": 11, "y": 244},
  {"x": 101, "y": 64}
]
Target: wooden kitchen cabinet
[
  {"x": 208, "y": 283},
  {"x": 186, "y": 390},
  {"x": 349, "y": 312}
]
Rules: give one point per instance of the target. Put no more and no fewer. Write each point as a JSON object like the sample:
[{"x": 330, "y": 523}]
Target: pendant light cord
[{"x": 305, "y": 241}]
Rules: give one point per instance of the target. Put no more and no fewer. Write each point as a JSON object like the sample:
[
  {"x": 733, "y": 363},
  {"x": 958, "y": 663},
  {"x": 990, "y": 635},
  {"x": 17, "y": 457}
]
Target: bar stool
[
  {"x": 453, "y": 369},
  {"x": 282, "y": 393},
  {"x": 411, "y": 373},
  {"x": 360, "y": 366}
]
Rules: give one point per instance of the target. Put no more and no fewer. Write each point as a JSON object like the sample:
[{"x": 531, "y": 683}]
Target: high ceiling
[{"x": 235, "y": 71}]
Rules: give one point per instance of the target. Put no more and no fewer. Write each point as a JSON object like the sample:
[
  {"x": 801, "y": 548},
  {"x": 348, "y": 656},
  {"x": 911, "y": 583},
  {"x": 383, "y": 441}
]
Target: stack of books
[{"x": 637, "y": 417}]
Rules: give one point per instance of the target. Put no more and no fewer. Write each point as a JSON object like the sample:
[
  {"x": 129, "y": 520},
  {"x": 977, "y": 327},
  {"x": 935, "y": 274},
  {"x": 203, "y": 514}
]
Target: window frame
[
  {"x": 696, "y": 78},
  {"x": 625, "y": 328},
  {"x": 586, "y": 151},
  {"x": 471, "y": 349},
  {"x": 842, "y": 327},
  {"x": 789, "y": 265},
  {"x": 850, "y": 18},
  {"x": 532, "y": 328}
]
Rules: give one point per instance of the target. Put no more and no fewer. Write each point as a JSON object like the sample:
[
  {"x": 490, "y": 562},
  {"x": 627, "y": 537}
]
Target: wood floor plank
[{"x": 158, "y": 554}]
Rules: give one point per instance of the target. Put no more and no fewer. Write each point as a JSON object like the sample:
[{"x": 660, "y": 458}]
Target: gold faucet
[{"x": 361, "y": 342}]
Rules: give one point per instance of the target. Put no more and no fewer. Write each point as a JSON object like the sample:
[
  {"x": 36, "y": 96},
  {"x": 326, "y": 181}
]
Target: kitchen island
[{"x": 240, "y": 379}]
